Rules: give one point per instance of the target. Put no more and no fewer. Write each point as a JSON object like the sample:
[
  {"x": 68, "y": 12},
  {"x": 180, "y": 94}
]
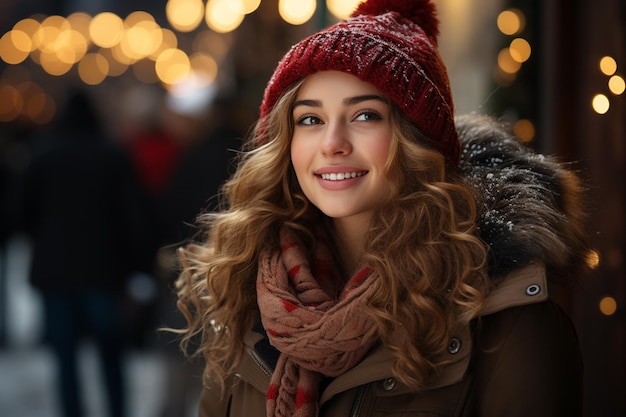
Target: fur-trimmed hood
[{"x": 530, "y": 205}]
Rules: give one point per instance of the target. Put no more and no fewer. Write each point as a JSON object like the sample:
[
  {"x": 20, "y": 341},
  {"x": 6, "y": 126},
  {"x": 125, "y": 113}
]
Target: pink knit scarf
[{"x": 317, "y": 333}]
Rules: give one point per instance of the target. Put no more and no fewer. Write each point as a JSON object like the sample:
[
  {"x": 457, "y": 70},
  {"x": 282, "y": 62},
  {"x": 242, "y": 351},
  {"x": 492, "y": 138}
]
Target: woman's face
[{"x": 340, "y": 145}]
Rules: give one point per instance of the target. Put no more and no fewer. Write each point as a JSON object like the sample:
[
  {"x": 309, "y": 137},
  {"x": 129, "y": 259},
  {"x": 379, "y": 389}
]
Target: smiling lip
[{"x": 339, "y": 178}]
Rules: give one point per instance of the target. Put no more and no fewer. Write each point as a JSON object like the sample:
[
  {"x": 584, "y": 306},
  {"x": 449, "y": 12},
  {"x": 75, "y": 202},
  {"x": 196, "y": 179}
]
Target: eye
[
  {"x": 308, "y": 120},
  {"x": 368, "y": 116}
]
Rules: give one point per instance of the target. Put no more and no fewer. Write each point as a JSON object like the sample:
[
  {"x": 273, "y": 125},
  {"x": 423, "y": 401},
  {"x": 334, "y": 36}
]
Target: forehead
[{"x": 334, "y": 83}]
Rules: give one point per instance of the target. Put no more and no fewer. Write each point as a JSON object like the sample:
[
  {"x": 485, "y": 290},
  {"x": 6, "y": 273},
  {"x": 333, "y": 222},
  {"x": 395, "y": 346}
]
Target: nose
[{"x": 335, "y": 140}]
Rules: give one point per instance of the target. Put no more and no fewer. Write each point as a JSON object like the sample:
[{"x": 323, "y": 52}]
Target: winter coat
[{"x": 521, "y": 356}]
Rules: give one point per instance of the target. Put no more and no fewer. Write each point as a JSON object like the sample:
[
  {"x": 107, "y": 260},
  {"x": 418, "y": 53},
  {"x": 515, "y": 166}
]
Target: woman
[{"x": 358, "y": 267}]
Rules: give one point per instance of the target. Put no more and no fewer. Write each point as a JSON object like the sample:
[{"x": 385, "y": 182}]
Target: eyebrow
[{"x": 348, "y": 101}]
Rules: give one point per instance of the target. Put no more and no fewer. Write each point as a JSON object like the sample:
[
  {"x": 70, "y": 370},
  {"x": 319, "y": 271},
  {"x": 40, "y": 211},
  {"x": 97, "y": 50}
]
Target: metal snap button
[
  {"x": 389, "y": 384},
  {"x": 454, "y": 346},
  {"x": 533, "y": 289}
]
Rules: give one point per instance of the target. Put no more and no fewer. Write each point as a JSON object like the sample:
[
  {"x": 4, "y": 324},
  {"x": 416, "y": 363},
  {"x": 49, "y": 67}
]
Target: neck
[{"x": 350, "y": 241}]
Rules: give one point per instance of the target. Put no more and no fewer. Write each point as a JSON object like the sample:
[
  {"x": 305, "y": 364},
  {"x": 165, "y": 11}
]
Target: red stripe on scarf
[
  {"x": 272, "y": 392},
  {"x": 287, "y": 245},
  {"x": 356, "y": 280},
  {"x": 361, "y": 275},
  {"x": 277, "y": 334},
  {"x": 289, "y": 306},
  {"x": 303, "y": 397},
  {"x": 293, "y": 271}
]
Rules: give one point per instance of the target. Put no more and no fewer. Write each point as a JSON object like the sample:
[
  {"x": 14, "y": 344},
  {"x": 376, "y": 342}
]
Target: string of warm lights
[
  {"x": 601, "y": 105},
  {"x": 107, "y": 45},
  {"x": 511, "y": 23},
  {"x": 616, "y": 85}
]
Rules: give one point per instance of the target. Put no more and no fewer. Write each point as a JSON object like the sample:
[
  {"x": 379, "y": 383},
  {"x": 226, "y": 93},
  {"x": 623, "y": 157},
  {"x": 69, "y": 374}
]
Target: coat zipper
[
  {"x": 359, "y": 399},
  {"x": 266, "y": 370}
]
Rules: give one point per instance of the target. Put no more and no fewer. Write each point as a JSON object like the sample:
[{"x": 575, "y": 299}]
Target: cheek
[
  {"x": 299, "y": 154},
  {"x": 379, "y": 151}
]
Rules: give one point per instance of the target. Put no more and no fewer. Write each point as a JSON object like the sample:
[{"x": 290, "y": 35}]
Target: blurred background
[{"x": 117, "y": 121}]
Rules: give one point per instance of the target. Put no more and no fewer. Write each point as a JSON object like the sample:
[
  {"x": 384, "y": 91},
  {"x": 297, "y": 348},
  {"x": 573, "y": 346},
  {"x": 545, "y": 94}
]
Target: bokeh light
[
  {"x": 524, "y": 129},
  {"x": 608, "y": 306},
  {"x": 9, "y": 53},
  {"x": 138, "y": 17},
  {"x": 106, "y": 29},
  {"x": 70, "y": 46},
  {"x": 29, "y": 27},
  {"x": 608, "y": 65},
  {"x": 249, "y": 6},
  {"x": 166, "y": 39},
  {"x": 506, "y": 62},
  {"x": 296, "y": 12},
  {"x": 600, "y": 103},
  {"x": 221, "y": 17},
  {"x": 511, "y": 22},
  {"x": 22, "y": 41},
  {"x": 617, "y": 85},
  {"x": 117, "y": 62},
  {"x": 172, "y": 66},
  {"x": 80, "y": 21},
  {"x": 184, "y": 15},
  {"x": 137, "y": 42},
  {"x": 53, "y": 65},
  {"x": 204, "y": 66},
  {"x": 93, "y": 68},
  {"x": 520, "y": 50},
  {"x": 342, "y": 9}
]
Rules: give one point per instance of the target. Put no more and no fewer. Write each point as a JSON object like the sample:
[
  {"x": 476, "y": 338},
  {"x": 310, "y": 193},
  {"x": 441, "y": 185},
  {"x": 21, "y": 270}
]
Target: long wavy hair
[{"x": 422, "y": 243}]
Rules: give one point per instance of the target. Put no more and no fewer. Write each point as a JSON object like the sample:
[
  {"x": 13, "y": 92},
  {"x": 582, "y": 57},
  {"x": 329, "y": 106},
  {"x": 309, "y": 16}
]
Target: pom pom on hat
[
  {"x": 392, "y": 45},
  {"x": 422, "y": 13}
]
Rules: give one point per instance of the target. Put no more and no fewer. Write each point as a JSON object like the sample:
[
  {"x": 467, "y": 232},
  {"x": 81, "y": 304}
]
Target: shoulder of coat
[{"x": 527, "y": 285}]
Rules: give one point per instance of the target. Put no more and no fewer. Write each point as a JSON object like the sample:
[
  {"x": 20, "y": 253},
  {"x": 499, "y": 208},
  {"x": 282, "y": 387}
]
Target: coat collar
[
  {"x": 530, "y": 206},
  {"x": 526, "y": 286}
]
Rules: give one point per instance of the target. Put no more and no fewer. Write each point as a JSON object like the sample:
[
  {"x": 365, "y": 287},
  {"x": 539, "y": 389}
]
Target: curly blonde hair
[{"x": 422, "y": 242}]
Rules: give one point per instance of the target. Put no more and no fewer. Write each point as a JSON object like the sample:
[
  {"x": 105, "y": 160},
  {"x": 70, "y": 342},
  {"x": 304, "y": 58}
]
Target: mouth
[{"x": 340, "y": 176}]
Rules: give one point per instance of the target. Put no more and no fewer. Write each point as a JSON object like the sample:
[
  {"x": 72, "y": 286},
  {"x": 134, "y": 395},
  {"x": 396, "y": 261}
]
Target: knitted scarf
[{"x": 318, "y": 334}]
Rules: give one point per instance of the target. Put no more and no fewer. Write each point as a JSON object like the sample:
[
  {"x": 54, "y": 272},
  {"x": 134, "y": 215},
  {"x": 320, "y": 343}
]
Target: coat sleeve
[{"x": 528, "y": 363}]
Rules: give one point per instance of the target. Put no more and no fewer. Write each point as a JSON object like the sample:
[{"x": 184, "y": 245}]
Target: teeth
[{"x": 341, "y": 175}]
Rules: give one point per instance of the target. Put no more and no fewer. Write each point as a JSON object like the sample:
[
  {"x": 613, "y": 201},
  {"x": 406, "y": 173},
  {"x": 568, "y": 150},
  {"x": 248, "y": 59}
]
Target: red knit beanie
[{"x": 391, "y": 44}]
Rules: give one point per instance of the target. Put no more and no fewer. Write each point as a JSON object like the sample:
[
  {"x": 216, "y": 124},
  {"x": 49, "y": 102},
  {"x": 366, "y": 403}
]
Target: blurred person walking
[
  {"x": 82, "y": 214},
  {"x": 210, "y": 146}
]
